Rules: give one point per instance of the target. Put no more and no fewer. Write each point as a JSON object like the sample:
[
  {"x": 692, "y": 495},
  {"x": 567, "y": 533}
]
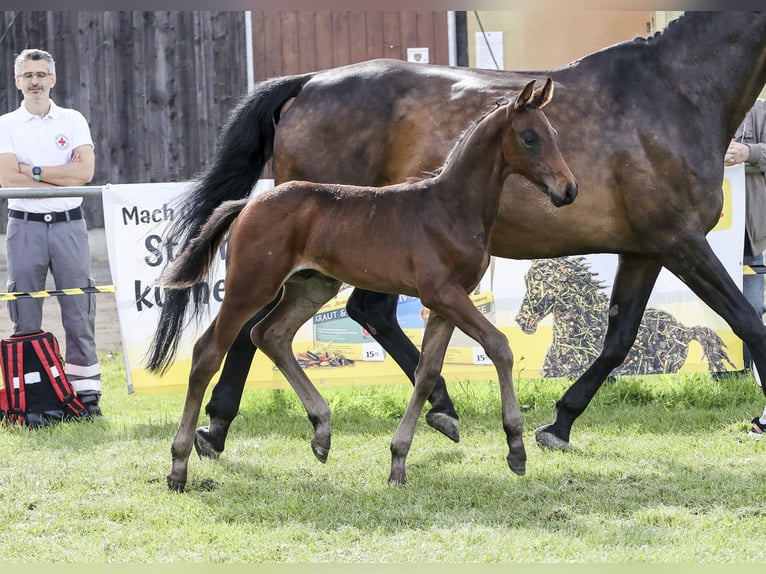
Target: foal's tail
[
  {"x": 192, "y": 265},
  {"x": 182, "y": 279},
  {"x": 713, "y": 348},
  {"x": 245, "y": 146}
]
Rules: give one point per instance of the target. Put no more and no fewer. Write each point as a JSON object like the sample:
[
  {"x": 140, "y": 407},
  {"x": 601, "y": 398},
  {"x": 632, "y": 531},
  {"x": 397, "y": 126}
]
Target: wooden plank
[
  {"x": 357, "y": 37},
  {"x": 307, "y": 42},
  {"x": 441, "y": 39},
  {"x": 324, "y": 39},
  {"x": 136, "y": 75},
  {"x": 424, "y": 30},
  {"x": 290, "y": 43},
  {"x": 374, "y": 26},
  {"x": 258, "y": 41},
  {"x": 392, "y": 35},
  {"x": 409, "y": 36},
  {"x": 340, "y": 39},
  {"x": 272, "y": 35},
  {"x": 91, "y": 41}
]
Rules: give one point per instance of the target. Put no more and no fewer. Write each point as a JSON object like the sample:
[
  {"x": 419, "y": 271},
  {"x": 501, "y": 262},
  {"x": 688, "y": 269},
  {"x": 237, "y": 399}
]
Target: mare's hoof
[
  {"x": 397, "y": 479},
  {"x": 203, "y": 446},
  {"x": 445, "y": 424},
  {"x": 517, "y": 466},
  {"x": 546, "y": 439},
  {"x": 320, "y": 451},
  {"x": 176, "y": 485}
]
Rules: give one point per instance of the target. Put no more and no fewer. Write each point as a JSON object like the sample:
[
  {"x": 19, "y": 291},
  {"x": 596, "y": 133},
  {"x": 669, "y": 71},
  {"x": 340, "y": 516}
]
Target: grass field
[{"x": 661, "y": 471}]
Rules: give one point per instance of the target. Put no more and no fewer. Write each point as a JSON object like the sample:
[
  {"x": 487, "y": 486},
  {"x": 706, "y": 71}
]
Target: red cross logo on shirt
[{"x": 62, "y": 142}]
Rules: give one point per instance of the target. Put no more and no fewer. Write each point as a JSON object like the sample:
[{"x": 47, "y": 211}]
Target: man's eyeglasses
[{"x": 39, "y": 75}]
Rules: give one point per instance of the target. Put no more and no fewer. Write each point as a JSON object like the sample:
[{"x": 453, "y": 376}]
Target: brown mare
[
  {"x": 644, "y": 125},
  {"x": 428, "y": 239}
]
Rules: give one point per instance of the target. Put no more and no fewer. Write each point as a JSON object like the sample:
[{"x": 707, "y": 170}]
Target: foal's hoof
[
  {"x": 176, "y": 485},
  {"x": 546, "y": 439},
  {"x": 321, "y": 452},
  {"x": 517, "y": 466},
  {"x": 445, "y": 424},
  {"x": 203, "y": 446}
]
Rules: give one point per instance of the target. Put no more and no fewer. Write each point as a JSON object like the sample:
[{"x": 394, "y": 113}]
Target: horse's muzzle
[{"x": 565, "y": 198}]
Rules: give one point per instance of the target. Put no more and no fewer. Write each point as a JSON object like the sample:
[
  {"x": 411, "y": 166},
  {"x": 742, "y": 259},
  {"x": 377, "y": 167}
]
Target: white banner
[{"x": 554, "y": 315}]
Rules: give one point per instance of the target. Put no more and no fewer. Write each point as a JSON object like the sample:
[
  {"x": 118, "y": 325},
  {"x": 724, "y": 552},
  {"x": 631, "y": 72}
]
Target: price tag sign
[
  {"x": 480, "y": 357},
  {"x": 372, "y": 352}
]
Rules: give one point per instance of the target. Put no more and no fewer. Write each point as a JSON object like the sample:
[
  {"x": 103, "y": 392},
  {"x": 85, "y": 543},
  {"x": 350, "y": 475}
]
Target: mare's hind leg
[
  {"x": 206, "y": 358},
  {"x": 633, "y": 284},
  {"x": 377, "y": 313},
  {"x": 436, "y": 338},
  {"x": 226, "y": 396},
  {"x": 303, "y": 295}
]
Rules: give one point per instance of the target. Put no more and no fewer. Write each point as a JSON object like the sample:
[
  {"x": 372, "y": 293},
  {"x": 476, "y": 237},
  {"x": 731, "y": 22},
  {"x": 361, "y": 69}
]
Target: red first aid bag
[{"x": 36, "y": 390}]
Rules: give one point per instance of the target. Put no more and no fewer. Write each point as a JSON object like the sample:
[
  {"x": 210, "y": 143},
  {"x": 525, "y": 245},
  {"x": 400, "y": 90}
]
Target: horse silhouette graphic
[{"x": 566, "y": 288}]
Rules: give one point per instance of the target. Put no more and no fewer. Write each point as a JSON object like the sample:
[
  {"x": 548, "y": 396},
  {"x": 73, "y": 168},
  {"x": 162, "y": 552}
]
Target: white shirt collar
[{"x": 27, "y": 115}]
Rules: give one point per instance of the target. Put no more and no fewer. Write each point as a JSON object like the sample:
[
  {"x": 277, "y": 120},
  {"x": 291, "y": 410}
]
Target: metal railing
[{"x": 40, "y": 192}]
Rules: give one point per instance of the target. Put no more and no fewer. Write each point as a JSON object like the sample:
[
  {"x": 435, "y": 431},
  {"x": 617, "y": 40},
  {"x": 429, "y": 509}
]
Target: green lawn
[{"x": 661, "y": 471}]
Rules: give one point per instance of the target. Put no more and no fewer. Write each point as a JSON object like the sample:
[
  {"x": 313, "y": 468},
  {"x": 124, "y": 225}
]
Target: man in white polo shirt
[{"x": 44, "y": 145}]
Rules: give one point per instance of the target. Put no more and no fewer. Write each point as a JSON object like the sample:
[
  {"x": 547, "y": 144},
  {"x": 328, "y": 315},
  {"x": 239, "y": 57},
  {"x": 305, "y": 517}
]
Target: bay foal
[{"x": 428, "y": 239}]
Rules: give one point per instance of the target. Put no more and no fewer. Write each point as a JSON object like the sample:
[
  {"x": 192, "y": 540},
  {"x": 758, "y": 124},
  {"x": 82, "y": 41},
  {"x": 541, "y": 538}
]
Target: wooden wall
[
  {"x": 156, "y": 87},
  {"x": 296, "y": 42}
]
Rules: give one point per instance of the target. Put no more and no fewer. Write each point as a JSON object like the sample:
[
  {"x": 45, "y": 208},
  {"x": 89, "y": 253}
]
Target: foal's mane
[{"x": 467, "y": 132}]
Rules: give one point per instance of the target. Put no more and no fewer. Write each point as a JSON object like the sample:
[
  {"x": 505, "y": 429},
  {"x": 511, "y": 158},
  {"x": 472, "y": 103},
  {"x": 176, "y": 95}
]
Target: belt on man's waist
[{"x": 52, "y": 217}]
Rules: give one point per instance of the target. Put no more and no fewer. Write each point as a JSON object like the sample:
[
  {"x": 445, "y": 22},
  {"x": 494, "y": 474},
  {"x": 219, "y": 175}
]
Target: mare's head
[{"x": 530, "y": 147}]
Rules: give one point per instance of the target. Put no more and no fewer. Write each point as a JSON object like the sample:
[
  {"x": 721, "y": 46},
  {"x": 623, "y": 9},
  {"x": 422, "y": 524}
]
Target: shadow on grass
[{"x": 446, "y": 490}]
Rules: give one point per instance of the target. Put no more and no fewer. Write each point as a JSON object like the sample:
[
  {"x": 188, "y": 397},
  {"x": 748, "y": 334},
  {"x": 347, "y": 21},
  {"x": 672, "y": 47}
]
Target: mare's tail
[
  {"x": 713, "y": 348},
  {"x": 181, "y": 279},
  {"x": 245, "y": 145}
]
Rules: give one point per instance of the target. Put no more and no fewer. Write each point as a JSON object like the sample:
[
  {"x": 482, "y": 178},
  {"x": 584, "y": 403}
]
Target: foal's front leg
[
  {"x": 457, "y": 307},
  {"x": 436, "y": 338}
]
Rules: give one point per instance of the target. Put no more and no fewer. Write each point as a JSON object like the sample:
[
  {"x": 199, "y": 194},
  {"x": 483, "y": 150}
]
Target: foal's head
[{"x": 530, "y": 148}]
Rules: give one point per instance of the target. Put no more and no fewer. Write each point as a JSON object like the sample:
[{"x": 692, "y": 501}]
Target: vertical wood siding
[{"x": 296, "y": 42}]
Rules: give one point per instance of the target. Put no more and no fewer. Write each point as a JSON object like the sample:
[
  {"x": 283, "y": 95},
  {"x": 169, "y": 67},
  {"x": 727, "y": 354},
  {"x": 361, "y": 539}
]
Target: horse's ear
[
  {"x": 524, "y": 96},
  {"x": 543, "y": 95}
]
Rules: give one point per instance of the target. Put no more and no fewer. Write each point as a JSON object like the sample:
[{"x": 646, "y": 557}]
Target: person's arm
[
  {"x": 78, "y": 171},
  {"x": 757, "y": 155},
  {"x": 9, "y": 172}
]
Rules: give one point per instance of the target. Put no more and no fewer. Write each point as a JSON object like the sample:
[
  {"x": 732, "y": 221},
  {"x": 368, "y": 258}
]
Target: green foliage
[{"x": 661, "y": 470}]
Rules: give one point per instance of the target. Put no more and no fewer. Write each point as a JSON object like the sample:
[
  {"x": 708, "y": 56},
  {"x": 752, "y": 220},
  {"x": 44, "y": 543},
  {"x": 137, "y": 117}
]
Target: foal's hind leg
[
  {"x": 206, "y": 358},
  {"x": 303, "y": 295},
  {"x": 377, "y": 313},
  {"x": 226, "y": 395}
]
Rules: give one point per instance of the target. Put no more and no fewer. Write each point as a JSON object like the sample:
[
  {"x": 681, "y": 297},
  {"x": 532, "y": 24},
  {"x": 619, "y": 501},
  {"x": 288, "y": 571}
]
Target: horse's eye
[{"x": 529, "y": 137}]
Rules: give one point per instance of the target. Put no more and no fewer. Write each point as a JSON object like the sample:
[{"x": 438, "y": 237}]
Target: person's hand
[
  {"x": 75, "y": 157},
  {"x": 736, "y": 153}
]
